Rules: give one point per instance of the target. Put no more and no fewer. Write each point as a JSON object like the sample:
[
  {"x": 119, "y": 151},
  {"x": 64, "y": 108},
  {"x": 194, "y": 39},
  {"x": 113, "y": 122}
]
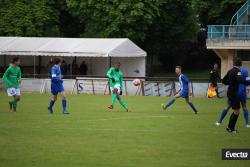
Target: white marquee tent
[{"x": 98, "y": 53}]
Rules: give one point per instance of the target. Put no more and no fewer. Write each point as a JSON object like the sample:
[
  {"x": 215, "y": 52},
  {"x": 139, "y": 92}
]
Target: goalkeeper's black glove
[
  {"x": 120, "y": 92},
  {"x": 113, "y": 80}
]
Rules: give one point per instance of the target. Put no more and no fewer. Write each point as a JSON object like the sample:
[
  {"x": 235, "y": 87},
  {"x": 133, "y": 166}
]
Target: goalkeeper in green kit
[
  {"x": 116, "y": 85},
  {"x": 12, "y": 79}
]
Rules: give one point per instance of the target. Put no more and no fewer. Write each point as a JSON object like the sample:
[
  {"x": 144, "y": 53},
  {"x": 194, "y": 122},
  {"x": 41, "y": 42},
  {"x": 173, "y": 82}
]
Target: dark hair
[
  {"x": 15, "y": 59},
  {"x": 178, "y": 67},
  {"x": 237, "y": 61},
  {"x": 57, "y": 61},
  {"x": 118, "y": 63}
]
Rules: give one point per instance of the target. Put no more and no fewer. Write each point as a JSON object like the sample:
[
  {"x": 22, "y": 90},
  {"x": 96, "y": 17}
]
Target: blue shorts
[
  {"x": 184, "y": 94},
  {"x": 242, "y": 98},
  {"x": 56, "y": 88}
]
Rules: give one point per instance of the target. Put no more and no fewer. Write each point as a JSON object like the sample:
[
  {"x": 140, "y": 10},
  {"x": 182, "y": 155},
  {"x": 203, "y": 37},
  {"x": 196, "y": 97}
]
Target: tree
[
  {"x": 28, "y": 18},
  {"x": 216, "y": 11},
  {"x": 171, "y": 33},
  {"x": 115, "y": 18},
  {"x": 161, "y": 27}
]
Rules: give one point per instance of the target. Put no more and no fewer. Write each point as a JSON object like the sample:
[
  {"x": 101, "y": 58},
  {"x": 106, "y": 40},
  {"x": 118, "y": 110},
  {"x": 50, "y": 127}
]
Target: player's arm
[
  {"x": 54, "y": 76},
  {"x": 186, "y": 81},
  {"x": 19, "y": 75},
  {"x": 121, "y": 83},
  {"x": 219, "y": 78},
  {"x": 241, "y": 80},
  {"x": 190, "y": 90},
  {"x": 110, "y": 74},
  {"x": 225, "y": 80},
  {"x": 6, "y": 77},
  {"x": 211, "y": 76}
]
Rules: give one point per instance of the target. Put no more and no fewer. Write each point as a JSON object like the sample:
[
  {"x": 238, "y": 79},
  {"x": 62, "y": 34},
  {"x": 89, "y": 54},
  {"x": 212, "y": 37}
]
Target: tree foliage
[
  {"x": 115, "y": 18},
  {"x": 216, "y": 11},
  {"x": 166, "y": 29}
]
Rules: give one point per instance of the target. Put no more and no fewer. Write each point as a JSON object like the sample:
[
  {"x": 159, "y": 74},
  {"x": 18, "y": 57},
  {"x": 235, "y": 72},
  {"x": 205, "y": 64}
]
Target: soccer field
[{"x": 92, "y": 136}]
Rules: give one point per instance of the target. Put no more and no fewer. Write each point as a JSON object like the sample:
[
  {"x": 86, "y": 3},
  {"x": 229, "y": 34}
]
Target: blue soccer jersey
[
  {"x": 242, "y": 87},
  {"x": 184, "y": 83},
  {"x": 56, "y": 80}
]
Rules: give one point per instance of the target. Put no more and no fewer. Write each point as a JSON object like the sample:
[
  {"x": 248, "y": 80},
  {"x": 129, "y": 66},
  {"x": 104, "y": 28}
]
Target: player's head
[
  {"x": 57, "y": 61},
  {"x": 216, "y": 66},
  {"x": 16, "y": 61},
  {"x": 117, "y": 65},
  {"x": 237, "y": 62},
  {"x": 178, "y": 70}
]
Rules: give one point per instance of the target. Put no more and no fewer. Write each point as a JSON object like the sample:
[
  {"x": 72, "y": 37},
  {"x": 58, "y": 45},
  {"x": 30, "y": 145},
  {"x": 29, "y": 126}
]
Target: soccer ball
[{"x": 136, "y": 82}]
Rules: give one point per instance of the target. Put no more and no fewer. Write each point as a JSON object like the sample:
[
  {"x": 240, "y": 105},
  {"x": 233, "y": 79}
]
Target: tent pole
[
  {"x": 109, "y": 62},
  {"x": 71, "y": 68},
  {"x": 34, "y": 66},
  {"x": 39, "y": 64},
  {"x": 5, "y": 64}
]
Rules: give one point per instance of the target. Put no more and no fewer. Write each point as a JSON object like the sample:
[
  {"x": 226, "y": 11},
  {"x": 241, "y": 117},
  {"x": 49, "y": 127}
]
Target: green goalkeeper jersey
[
  {"x": 12, "y": 76},
  {"x": 117, "y": 76}
]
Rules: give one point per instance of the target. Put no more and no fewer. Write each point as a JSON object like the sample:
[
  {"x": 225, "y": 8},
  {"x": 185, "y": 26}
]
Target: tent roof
[{"x": 80, "y": 47}]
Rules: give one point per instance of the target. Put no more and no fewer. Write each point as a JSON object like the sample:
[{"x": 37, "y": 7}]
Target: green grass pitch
[{"x": 92, "y": 136}]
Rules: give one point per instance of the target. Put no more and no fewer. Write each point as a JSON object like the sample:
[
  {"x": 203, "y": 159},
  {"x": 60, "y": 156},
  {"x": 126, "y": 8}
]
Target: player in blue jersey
[
  {"x": 183, "y": 92},
  {"x": 57, "y": 86},
  {"x": 242, "y": 95}
]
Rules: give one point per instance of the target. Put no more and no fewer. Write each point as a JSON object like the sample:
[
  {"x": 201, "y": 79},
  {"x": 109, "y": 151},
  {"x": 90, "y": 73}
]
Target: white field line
[
  {"x": 145, "y": 131},
  {"x": 120, "y": 130},
  {"x": 128, "y": 118}
]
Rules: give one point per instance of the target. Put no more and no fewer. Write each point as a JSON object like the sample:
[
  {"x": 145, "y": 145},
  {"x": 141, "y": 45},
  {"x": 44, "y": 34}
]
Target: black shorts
[{"x": 235, "y": 102}]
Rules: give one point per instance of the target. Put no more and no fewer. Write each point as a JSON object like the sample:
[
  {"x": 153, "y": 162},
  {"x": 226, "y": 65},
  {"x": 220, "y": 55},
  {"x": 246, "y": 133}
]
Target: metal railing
[
  {"x": 243, "y": 12},
  {"x": 232, "y": 32}
]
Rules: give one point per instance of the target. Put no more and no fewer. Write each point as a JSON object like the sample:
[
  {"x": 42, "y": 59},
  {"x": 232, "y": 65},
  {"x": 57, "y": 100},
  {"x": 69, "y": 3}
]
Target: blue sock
[
  {"x": 245, "y": 115},
  {"x": 192, "y": 106},
  {"x": 223, "y": 114},
  {"x": 170, "y": 103},
  {"x": 64, "y": 103},
  {"x": 51, "y": 104}
]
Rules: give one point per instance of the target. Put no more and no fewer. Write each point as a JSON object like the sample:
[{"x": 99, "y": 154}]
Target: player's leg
[
  {"x": 234, "y": 116},
  {"x": 245, "y": 112},
  {"x": 123, "y": 104},
  {"x": 224, "y": 112},
  {"x": 15, "y": 101},
  {"x": 15, "y": 93},
  {"x": 52, "y": 102},
  {"x": 191, "y": 105},
  {"x": 64, "y": 103},
  {"x": 170, "y": 102},
  {"x": 113, "y": 96},
  {"x": 11, "y": 93},
  {"x": 17, "y": 98}
]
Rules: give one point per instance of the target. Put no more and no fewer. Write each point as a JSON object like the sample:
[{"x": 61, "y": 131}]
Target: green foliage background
[{"x": 166, "y": 29}]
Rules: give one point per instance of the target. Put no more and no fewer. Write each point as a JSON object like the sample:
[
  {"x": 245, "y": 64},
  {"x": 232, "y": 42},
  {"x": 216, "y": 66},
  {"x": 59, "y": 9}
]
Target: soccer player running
[
  {"x": 116, "y": 85},
  {"x": 242, "y": 95},
  {"x": 214, "y": 79},
  {"x": 183, "y": 92},
  {"x": 12, "y": 79},
  {"x": 57, "y": 86},
  {"x": 233, "y": 79}
]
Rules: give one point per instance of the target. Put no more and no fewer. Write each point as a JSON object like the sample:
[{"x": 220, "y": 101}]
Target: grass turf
[{"x": 92, "y": 136}]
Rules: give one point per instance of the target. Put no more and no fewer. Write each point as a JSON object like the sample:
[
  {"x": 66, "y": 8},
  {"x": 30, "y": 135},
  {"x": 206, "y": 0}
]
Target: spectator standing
[{"x": 83, "y": 68}]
